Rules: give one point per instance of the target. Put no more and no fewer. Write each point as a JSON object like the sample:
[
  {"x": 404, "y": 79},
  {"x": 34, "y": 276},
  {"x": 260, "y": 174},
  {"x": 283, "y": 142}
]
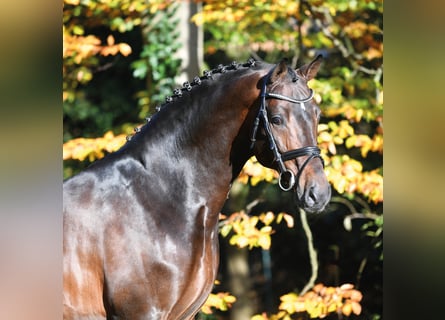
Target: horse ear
[
  {"x": 280, "y": 71},
  {"x": 309, "y": 70}
]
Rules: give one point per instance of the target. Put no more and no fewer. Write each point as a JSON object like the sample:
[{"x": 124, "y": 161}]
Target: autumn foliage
[
  {"x": 218, "y": 301},
  {"x": 318, "y": 303},
  {"x": 92, "y": 148}
]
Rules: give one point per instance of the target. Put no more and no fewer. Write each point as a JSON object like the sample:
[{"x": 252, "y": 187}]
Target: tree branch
[
  {"x": 312, "y": 253},
  {"x": 343, "y": 44}
]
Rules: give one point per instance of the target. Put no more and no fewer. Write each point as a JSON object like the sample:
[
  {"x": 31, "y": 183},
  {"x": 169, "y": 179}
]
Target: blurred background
[{"x": 122, "y": 58}]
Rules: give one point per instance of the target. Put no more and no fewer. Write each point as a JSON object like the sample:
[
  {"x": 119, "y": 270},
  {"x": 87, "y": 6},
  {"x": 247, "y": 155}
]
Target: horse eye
[{"x": 276, "y": 120}]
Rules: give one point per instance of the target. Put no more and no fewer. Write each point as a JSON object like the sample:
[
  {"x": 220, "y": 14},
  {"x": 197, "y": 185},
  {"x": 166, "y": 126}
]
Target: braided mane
[{"x": 198, "y": 80}]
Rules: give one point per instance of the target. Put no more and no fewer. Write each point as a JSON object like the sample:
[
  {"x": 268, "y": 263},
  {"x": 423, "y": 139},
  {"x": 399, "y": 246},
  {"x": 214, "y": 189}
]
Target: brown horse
[{"x": 141, "y": 225}]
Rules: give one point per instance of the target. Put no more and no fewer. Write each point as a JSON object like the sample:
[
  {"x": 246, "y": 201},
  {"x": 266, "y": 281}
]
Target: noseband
[{"x": 286, "y": 179}]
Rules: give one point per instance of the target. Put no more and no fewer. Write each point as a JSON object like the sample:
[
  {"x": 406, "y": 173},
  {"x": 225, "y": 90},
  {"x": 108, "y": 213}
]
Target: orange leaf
[
  {"x": 110, "y": 40},
  {"x": 356, "y": 295},
  {"x": 124, "y": 49},
  {"x": 356, "y": 307},
  {"x": 289, "y": 220}
]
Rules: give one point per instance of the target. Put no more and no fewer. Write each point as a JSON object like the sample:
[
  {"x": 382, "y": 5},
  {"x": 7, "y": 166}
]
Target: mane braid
[{"x": 187, "y": 86}]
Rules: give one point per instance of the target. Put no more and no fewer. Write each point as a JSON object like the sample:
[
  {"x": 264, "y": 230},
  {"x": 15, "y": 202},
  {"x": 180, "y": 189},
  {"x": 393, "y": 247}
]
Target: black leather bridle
[{"x": 286, "y": 179}]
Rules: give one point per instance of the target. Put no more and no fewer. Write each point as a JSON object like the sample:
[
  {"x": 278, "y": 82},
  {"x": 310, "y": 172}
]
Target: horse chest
[
  {"x": 156, "y": 271},
  {"x": 200, "y": 268}
]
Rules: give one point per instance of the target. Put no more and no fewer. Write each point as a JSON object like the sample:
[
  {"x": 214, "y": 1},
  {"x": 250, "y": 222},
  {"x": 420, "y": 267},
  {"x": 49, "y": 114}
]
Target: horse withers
[{"x": 141, "y": 225}]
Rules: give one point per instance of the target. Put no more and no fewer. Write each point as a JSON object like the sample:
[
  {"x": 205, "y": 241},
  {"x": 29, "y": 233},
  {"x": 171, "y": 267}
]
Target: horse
[{"x": 140, "y": 226}]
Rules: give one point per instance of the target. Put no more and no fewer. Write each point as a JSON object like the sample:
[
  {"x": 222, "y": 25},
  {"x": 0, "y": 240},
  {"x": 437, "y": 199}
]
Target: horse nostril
[
  {"x": 311, "y": 198},
  {"x": 315, "y": 198}
]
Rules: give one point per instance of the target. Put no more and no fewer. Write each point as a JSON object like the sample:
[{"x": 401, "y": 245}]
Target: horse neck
[{"x": 209, "y": 133}]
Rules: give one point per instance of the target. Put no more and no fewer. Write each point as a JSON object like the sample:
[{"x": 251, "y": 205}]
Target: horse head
[{"x": 284, "y": 134}]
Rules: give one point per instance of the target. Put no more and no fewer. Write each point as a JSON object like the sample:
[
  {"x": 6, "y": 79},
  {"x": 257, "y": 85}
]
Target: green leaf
[
  {"x": 78, "y": 30},
  {"x": 225, "y": 230}
]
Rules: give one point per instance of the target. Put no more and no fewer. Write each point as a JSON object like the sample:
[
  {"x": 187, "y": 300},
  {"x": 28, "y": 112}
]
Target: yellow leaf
[
  {"x": 338, "y": 140},
  {"x": 324, "y": 137},
  {"x": 268, "y": 17},
  {"x": 322, "y": 127},
  {"x": 300, "y": 306},
  {"x": 267, "y": 218},
  {"x": 314, "y": 310},
  {"x": 253, "y": 221},
  {"x": 350, "y": 142},
  {"x": 109, "y": 135},
  {"x": 259, "y": 317},
  {"x": 230, "y": 299},
  {"x": 266, "y": 230},
  {"x": 289, "y": 303},
  {"x": 332, "y": 149},
  {"x": 359, "y": 115},
  {"x": 365, "y": 149},
  {"x": 206, "y": 309},
  {"x": 237, "y": 227},
  {"x": 332, "y": 307},
  {"x": 289, "y": 297},
  {"x": 264, "y": 241},
  {"x": 254, "y": 180},
  {"x": 347, "y": 309},
  {"x": 341, "y": 185},
  {"x": 241, "y": 241}
]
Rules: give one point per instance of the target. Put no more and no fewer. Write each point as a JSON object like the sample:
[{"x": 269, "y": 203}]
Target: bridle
[{"x": 286, "y": 180}]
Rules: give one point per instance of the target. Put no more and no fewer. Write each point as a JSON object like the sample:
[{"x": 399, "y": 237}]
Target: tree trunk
[
  {"x": 238, "y": 273},
  {"x": 192, "y": 42}
]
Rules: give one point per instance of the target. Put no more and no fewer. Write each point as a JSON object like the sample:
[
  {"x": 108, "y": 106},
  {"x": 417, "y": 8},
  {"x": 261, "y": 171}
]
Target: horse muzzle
[{"x": 313, "y": 197}]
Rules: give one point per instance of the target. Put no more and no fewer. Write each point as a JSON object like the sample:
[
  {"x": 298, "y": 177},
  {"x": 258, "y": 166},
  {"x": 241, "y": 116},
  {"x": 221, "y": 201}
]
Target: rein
[{"x": 286, "y": 179}]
